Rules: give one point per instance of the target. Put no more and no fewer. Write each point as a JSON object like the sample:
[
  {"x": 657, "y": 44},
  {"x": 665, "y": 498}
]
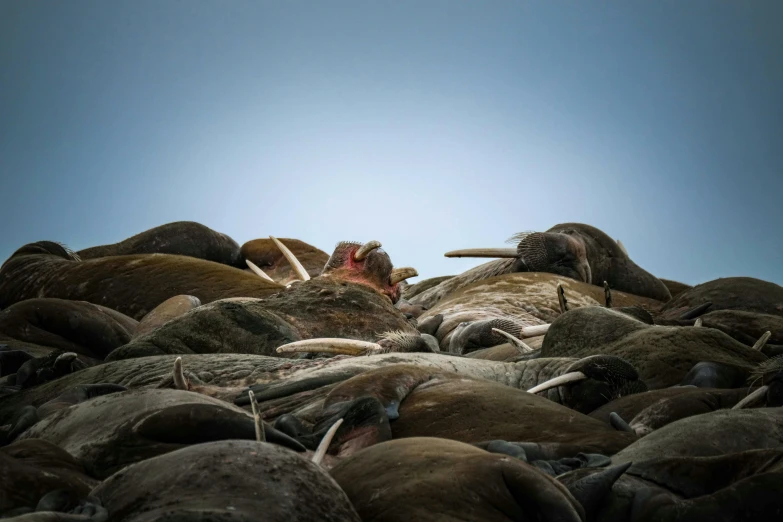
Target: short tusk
[
  {"x": 534, "y": 331},
  {"x": 561, "y": 298},
  {"x": 698, "y": 323},
  {"x": 320, "y": 452},
  {"x": 483, "y": 252},
  {"x": 762, "y": 341},
  {"x": 513, "y": 340},
  {"x": 752, "y": 398},
  {"x": 260, "y": 435},
  {"x": 607, "y": 295},
  {"x": 331, "y": 345},
  {"x": 558, "y": 381},
  {"x": 67, "y": 356},
  {"x": 295, "y": 264},
  {"x": 619, "y": 423},
  {"x": 365, "y": 250},
  {"x": 180, "y": 383},
  {"x": 401, "y": 274},
  {"x": 258, "y": 271},
  {"x": 622, "y": 247}
]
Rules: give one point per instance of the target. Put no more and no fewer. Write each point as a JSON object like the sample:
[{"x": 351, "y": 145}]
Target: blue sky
[{"x": 428, "y": 125}]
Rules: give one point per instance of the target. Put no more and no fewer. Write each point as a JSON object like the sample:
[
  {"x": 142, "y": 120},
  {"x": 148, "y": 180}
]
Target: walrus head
[
  {"x": 50, "y": 248},
  {"x": 369, "y": 265}
]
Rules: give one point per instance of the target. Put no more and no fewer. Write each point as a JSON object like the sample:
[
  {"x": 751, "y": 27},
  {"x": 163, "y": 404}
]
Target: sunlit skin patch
[{"x": 373, "y": 271}]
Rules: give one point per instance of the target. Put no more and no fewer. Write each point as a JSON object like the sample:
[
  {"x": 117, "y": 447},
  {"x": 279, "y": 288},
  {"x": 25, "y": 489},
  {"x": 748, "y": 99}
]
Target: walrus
[
  {"x": 225, "y": 481},
  {"x": 182, "y": 238},
  {"x": 352, "y": 298},
  {"x": 731, "y": 293},
  {"x": 132, "y": 284},
  {"x": 573, "y": 250}
]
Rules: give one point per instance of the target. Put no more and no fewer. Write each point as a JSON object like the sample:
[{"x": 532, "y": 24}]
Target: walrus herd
[{"x": 177, "y": 376}]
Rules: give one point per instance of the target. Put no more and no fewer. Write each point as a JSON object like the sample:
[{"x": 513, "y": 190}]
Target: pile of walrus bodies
[{"x": 177, "y": 377}]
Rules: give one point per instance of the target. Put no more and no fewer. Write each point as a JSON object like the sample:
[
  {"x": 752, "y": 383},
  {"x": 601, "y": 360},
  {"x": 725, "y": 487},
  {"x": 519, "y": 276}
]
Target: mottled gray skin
[
  {"x": 112, "y": 431},
  {"x": 730, "y": 293},
  {"x": 73, "y": 326},
  {"x": 663, "y": 355},
  {"x": 321, "y": 307},
  {"x": 572, "y": 250},
  {"x": 429, "y": 479},
  {"x": 182, "y": 238},
  {"x": 228, "y": 481},
  {"x": 132, "y": 285}
]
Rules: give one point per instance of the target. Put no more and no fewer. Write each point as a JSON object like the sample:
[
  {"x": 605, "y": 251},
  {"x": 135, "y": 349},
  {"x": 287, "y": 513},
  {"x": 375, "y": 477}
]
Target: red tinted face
[{"x": 373, "y": 271}]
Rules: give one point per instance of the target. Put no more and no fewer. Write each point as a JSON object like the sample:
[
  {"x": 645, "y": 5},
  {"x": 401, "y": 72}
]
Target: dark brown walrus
[{"x": 132, "y": 285}]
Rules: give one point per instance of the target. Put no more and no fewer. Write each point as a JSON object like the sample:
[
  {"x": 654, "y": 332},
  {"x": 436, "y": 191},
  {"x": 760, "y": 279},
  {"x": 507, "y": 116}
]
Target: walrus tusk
[
  {"x": 365, "y": 250},
  {"x": 258, "y": 271},
  {"x": 558, "y": 381},
  {"x": 483, "y": 252},
  {"x": 534, "y": 331},
  {"x": 561, "y": 298},
  {"x": 521, "y": 346},
  {"x": 622, "y": 247},
  {"x": 619, "y": 423},
  {"x": 698, "y": 322},
  {"x": 180, "y": 383},
  {"x": 295, "y": 264},
  {"x": 331, "y": 345},
  {"x": 260, "y": 435},
  {"x": 762, "y": 341},
  {"x": 751, "y": 399},
  {"x": 401, "y": 274},
  {"x": 320, "y": 452},
  {"x": 607, "y": 295}
]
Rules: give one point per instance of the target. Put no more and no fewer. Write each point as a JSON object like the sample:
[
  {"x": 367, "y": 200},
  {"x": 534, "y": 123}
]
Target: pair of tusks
[
  {"x": 397, "y": 275},
  {"x": 299, "y": 270},
  {"x": 333, "y": 345},
  {"x": 518, "y": 343},
  {"x": 558, "y": 381}
]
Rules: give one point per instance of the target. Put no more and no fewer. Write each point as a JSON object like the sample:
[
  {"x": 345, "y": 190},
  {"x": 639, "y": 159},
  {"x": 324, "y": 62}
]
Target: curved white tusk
[
  {"x": 295, "y": 264},
  {"x": 762, "y": 341},
  {"x": 558, "y": 381},
  {"x": 521, "y": 346},
  {"x": 483, "y": 252},
  {"x": 401, "y": 274},
  {"x": 534, "y": 331},
  {"x": 320, "y": 452},
  {"x": 365, "y": 250},
  {"x": 331, "y": 345},
  {"x": 752, "y": 398},
  {"x": 622, "y": 247},
  {"x": 180, "y": 383},
  {"x": 257, "y": 270},
  {"x": 260, "y": 434}
]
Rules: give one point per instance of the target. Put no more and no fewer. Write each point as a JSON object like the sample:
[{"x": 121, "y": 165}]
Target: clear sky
[{"x": 428, "y": 125}]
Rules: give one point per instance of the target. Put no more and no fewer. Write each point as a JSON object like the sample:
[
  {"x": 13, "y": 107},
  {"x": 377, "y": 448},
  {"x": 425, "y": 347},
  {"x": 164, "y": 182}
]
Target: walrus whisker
[
  {"x": 323, "y": 446},
  {"x": 365, "y": 250},
  {"x": 260, "y": 434},
  {"x": 533, "y": 331},
  {"x": 751, "y": 399},
  {"x": 698, "y": 323},
  {"x": 518, "y": 343},
  {"x": 401, "y": 274},
  {"x": 607, "y": 295},
  {"x": 180, "y": 383},
  {"x": 258, "y": 271},
  {"x": 331, "y": 345},
  {"x": 295, "y": 264},
  {"x": 762, "y": 341},
  {"x": 561, "y": 298},
  {"x": 558, "y": 381},
  {"x": 483, "y": 252}
]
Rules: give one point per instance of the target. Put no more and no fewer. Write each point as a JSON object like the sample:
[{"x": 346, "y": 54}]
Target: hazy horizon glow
[{"x": 429, "y": 126}]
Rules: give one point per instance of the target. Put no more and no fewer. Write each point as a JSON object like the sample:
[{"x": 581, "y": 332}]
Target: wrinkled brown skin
[
  {"x": 266, "y": 256},
  {"x": 730, "y": 293},
  {"x": 429, "y": 479},
  {"x": 228, "y": 481},
  {"x": 73, "y": 326},
  {"x": 529, "y": 298},
  {"x": 182, "y": 238},
  {"x": 112, "y": 431},
  {"x": 29, "y": 469},
  {"x": 663, "y": 355},
  {"x": 629, "y": 406},
  {"x": 675, "y": 287},
  {"x": 321, "y": 307},
  {"x": 412, "y": 291},
  {"x": 132, "y": 285}
]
